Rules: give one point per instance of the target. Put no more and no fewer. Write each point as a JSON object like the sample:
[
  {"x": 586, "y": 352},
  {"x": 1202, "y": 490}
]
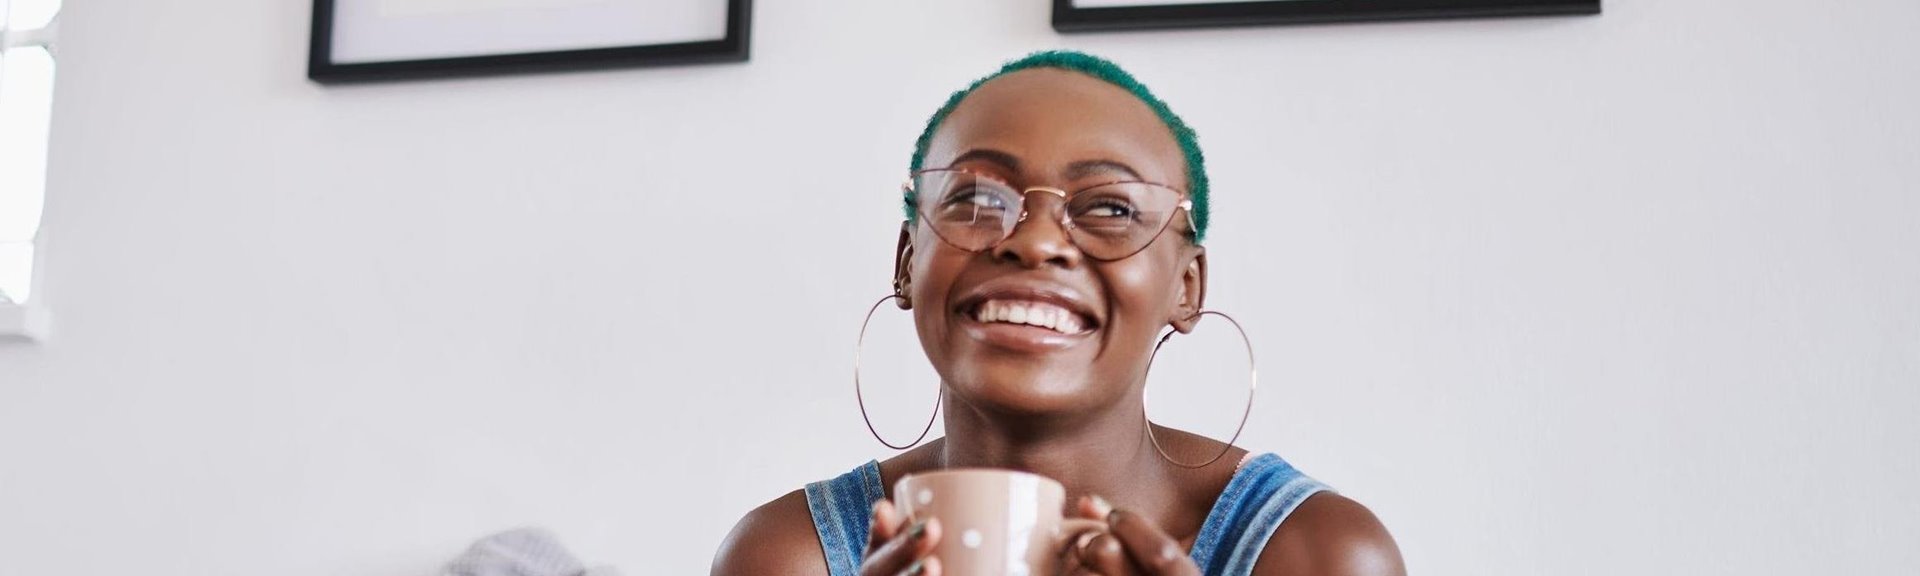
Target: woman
[{"x": 1041, "y": 258}]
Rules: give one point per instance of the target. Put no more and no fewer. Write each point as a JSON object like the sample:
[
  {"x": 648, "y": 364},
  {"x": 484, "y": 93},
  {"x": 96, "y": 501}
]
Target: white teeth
[{"x": 1039, "y": 314}]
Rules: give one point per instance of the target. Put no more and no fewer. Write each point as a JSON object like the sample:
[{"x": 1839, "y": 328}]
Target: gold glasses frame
[{"x": 1185, "y": 205}]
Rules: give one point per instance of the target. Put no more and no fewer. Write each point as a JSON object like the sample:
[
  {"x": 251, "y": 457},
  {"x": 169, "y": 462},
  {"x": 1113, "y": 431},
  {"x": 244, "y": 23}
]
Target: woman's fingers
[
  {"x": 1103, "y": 554},
  {"x": 1153, "y": 552},
  {"x": 906, "y": 552},
  {"x": 1093, "y": 507},
  {"x": 1132, "y": 544},
  {"x": 926, "y": 566},
  {"x": 884, "y": 524}
]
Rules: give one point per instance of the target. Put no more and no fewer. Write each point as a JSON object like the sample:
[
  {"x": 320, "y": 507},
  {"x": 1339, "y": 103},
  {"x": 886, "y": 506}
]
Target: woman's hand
[
  {"x": 1132, "y": 546},
  {"x": 898, "y": 548}
]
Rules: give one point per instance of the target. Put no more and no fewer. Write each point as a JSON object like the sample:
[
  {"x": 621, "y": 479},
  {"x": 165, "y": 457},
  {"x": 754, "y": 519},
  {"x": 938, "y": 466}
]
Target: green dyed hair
[{"x": 1104, "y": 70}]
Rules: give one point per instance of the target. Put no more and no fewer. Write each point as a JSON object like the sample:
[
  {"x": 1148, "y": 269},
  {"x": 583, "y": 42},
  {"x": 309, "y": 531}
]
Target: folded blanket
[{"x": 520, "y": 552}]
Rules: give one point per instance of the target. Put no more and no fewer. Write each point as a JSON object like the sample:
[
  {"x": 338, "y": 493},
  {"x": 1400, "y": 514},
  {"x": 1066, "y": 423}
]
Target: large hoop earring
[
  {"x": 1253, "y": 379},
  {"x": 860, "y": 345}
]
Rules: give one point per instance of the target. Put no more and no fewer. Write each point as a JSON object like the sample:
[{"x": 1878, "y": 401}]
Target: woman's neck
[{"x": 1104, "y": 452}]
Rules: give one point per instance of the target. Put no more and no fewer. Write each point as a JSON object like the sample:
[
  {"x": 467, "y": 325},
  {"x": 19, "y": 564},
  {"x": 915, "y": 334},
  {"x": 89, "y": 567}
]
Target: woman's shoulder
[
  {"x": 1331, "y": 534},
  {"x": 795, "y": 533},
  {"x": 1273, "y": 519},
  {"x": 781, "y": 536},
  {"x": 775, "y": 538}
]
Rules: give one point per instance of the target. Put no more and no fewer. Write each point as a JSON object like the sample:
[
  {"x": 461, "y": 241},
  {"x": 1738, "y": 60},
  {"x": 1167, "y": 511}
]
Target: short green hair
[{"x": 1104, "y": 70}]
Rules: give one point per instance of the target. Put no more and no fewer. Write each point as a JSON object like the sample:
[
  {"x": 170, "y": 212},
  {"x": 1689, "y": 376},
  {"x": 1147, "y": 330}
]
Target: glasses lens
[
  {"x": 1116, "y": 220},
  {"x": 968, "y": 211}
]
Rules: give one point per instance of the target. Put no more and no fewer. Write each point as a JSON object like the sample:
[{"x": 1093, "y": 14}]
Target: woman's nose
[{"x": 1040, "y": 237}]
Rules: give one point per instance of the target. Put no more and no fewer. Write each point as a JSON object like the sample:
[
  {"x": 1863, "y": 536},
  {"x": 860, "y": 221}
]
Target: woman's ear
[
  {"x": 902, "y": 262},
  {"x": 1192, "y": 297}
]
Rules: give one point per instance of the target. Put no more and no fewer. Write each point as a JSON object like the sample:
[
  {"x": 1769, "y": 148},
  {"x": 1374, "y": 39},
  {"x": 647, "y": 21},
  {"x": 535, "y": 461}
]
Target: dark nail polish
[
  {"x": 914, "y": 532},
  {"x": 915, "y": 568}
]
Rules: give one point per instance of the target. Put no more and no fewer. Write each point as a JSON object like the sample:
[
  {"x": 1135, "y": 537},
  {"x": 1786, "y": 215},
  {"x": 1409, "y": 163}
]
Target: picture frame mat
[{"x": 372, "y": 31}]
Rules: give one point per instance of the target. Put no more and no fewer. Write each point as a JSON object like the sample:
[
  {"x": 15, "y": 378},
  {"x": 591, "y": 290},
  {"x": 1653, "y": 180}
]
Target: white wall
[{"x": 1626, "y": 294}]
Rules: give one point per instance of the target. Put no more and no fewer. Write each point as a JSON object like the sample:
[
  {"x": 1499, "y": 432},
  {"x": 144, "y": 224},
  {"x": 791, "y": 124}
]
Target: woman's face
[{"x": 1059, "y": 129}]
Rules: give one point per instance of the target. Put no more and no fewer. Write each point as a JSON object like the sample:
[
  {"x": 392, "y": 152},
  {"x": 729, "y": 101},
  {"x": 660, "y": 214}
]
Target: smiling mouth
[{"x": 1031, "y": 313}]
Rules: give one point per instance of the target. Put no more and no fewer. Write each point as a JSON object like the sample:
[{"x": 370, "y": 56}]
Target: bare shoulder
[
  {"x": 1330, "y": 534},
  {"x": 776, "y": 538}
]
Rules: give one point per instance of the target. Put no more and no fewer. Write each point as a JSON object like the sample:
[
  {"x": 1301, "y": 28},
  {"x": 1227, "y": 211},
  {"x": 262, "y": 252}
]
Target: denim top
[{"x": 1262, "y": 493}]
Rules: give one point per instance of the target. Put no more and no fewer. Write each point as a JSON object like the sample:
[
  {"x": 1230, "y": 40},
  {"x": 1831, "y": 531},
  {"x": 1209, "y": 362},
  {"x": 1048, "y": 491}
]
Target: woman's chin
[{"x": 1025, "y": 391}]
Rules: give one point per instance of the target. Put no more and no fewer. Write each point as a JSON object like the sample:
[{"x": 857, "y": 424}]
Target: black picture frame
[
  {"x": 732, "y": 48},
  {"x": 1068, "y": 18}
]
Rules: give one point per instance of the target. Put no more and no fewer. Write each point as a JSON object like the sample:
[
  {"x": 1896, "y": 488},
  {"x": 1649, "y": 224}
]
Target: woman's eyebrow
[
  {"x": 1075, "y": 171},
  {"x": 1005, "y": 160},
  {"x": 1083, "y": 168}
]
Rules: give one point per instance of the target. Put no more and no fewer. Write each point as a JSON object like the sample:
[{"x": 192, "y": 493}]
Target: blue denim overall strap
[
  {"x": 1261, "y": 494},
  {"x": 841, "y": 509}
]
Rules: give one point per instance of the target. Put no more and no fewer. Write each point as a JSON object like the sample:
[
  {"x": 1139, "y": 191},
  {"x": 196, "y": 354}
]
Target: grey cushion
[{"x": 520, "y": 552}]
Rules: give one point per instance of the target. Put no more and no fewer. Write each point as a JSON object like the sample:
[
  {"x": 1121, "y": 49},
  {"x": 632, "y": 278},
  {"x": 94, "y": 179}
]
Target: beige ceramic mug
[{"x": 994, "y": 522}]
